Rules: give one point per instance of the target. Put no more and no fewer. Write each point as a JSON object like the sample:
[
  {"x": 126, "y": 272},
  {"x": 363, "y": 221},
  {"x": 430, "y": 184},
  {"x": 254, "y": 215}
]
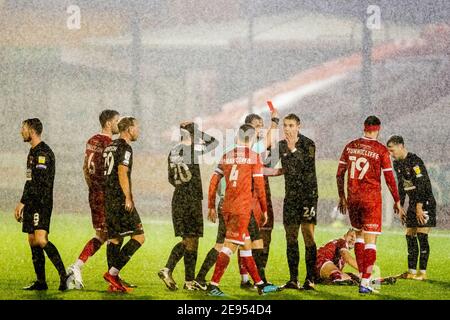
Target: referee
[
  {"x": 413, "y": 180},
  {"x": 35, "y": 207},
  {"x": 297, "y": 155}
]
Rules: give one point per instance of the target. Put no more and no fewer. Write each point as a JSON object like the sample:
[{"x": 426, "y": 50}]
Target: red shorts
[
  {"x": 236, "y": 226},
  {"x": 97, "y": 204},
  {"x": 366, "y": 215}
]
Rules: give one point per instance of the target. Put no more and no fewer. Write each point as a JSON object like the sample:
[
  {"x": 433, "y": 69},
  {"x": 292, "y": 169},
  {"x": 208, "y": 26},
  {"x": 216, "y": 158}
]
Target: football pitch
[{"x": 70, "y": 232}]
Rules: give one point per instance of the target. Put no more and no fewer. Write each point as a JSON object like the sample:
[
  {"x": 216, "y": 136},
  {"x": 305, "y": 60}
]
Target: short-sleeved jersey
[
  {"x": 243, "y": 172},
  {"x": 93, "y": 160},
  {"x": 119, "y": 152},
  {"x": 413, "y": 180},
  {"x": 365, "y": 159},
  {"x": 331, "y": 251},
  {"x": 40, "y": 176}
]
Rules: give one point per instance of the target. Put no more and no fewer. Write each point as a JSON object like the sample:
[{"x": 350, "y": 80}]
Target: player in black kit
[
  {"x": 187, "y": 217},
  {"x": 122, "y": 218},
  {"x": 413, "y": 180},
  {"x": 35, "y": 207}
]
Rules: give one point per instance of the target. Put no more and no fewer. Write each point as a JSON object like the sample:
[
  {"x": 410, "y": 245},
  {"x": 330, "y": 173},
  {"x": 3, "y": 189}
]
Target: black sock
[
  {"x": 37, "y": 254},
  {"x": 55, "y": 258},
  {"x": 126, "y": 253},
  {"x": 413, "y": 251},
  {"x": 175, "y": 256},
  {"x": 190, "y": 260},
  {"x": 424, "y": 250},
  {"x": 258, "y": 257},
  {"x": 310, "y": 259},
  {"x": 209, "y": 262},
  {"x": 112, "y": 253},
  {"x": 293, "y": 258}
]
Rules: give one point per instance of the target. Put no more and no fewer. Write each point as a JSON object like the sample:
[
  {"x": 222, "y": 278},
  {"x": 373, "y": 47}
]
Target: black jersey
[
  {"x": 299, "y": 168},
  {"x": 184, "y": 169},
  {"x": 413, "y": 180},
  {"x": 40, "y": 175},
  {"x": 119, "y": 152}
]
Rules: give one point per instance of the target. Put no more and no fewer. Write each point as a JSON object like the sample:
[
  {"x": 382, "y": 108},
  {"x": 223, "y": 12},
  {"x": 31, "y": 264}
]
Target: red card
[{"x": 271, "y": 108}]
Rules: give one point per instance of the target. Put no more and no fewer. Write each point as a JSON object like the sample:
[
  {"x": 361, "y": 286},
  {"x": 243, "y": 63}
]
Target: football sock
[
  {"x": 359, "y": 254},
  {"x": 293, "y": 257},
  {"x": 175, "y": 255},
  {"x": 424, "y": 250},
  {"x": 310, "y": 258},
  {"x": 37, "y": 254},
  {"x": 250, "y": 265},
  {"x": 242, "y": 270},
  {"x": 258, "y": 256},
  {"x": 222, "y": 263},
  {"x": 370, "y": 256},
  {"x": 210, "y": 260},
  {"x": 55, "y": 258},
  {"x": 413, "y": 252},
  {"x": 89, "y": 249},
  {"x": 112, "y": 253},
  {"x": 190, "y": 260},
  {"x": 127, "y": 251},
  {"x": 336, "y": 275}
]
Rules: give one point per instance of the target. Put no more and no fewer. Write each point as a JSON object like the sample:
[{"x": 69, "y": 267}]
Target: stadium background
[{"x": 214, "y": 61}]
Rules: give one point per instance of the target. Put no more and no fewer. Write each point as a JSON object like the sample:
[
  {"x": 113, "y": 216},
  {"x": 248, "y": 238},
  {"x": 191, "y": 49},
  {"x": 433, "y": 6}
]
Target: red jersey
[
  {"x": 243, "y": 171},
  {"x": 331, "y": 251},
  {"x": 94, "y": 162},
  {"x": 365, "y": 159}
]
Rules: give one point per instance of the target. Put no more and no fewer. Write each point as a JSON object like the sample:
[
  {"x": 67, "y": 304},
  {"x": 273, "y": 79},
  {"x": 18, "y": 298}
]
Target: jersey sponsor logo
[
  {"x": 41, "y": 160},
  {"x": 417, "y": 171},
  {"x": 41, "y": 166}
]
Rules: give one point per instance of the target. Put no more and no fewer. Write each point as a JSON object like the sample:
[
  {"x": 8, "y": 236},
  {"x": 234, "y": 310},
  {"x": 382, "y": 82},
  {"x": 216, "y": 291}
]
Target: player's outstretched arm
[
  {"x": 349, "y": 259},
  {"x": 125, "y": 185},
  {"x": 213, "y": 186},
  {"x": 340, "y": 180}
]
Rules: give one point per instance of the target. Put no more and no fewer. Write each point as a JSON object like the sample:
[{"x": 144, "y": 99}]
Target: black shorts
[
  {"x": 121, "y": 223},
  {"x": 429, "y": 209},
  {"x": 297, "y": 211},
  {"x": 36, "y": 218},
  {"x": 187, "y": 217},
  {"x": 253, "y": 228}
]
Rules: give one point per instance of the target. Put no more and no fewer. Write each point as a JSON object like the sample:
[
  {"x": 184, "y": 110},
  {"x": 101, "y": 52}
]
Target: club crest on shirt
[
  {"x": 417, "y": 171},
  {"x": 41, "y": 160}
]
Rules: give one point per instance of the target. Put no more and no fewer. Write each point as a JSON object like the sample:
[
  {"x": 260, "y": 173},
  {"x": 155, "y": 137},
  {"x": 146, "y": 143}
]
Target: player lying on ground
[
  {"x": 413, "y": 180},
  {"x": 95, "y": 180},
  {"x": 333, "y": 256},
  {"x": 242, "y": 169}
]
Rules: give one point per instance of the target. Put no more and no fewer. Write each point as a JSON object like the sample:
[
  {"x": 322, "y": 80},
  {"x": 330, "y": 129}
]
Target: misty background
[{"x": 213, "y": 62}]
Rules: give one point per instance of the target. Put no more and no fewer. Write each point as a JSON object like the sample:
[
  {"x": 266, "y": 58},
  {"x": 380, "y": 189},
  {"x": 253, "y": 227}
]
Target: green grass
[{"x": 70, "y": 232}]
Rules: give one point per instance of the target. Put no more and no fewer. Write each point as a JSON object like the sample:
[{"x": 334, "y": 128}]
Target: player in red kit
[
  {"x": 95, "y": 179},
  {"x": 364, "y": 159},
  {"x": 243, "y": 171}
]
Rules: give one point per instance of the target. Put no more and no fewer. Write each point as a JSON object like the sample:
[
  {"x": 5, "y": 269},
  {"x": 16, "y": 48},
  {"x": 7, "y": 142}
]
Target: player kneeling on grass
[
  {"x": 122, "y": 218},
  {"x": 413, "y": 180},
  {"x": 332, "y": 258},
  {"x": 242, "y": 169}
]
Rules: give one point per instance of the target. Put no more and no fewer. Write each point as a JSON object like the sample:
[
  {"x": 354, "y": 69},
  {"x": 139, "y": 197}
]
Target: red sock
[
  {"x": 370, "y": 256},
  {"x": 89, "y": 249},
  {"x": 221, "y": 265},
  {"x": 359, "y": 253},
  {"x": 242, "y": 268},
  {"x": 250, "y": 265},
  {"x": 336, "y": 275}
]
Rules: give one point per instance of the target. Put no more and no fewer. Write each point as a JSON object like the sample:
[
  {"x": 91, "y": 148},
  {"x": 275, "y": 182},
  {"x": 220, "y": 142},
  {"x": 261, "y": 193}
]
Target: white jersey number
[
  {"x": 361, "y": 165},
  {"x": 109, "y": 163}
]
